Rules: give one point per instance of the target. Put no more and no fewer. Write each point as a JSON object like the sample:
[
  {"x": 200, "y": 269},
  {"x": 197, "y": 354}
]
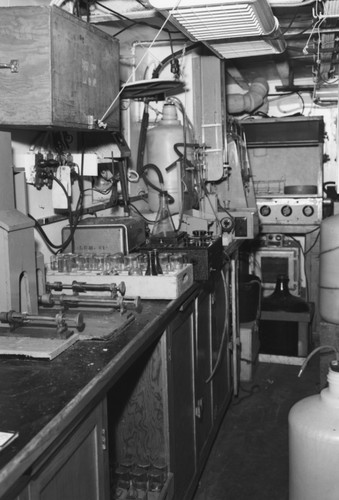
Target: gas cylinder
[
  {"x": 314, "y": 443},
  {"x": 160, "y": 143},
  {"x": 329, "y": 270}
]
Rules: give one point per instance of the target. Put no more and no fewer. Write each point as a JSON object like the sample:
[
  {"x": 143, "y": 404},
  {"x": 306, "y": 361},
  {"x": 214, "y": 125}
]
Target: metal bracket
[{"x": 13, "y": 65}]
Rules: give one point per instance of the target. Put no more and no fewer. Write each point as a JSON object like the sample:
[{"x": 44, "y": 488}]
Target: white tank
[
  {"x": 160, "y": 151},
  {"x": 314, "y": 444},
  {"x": 329, "y": 270}
]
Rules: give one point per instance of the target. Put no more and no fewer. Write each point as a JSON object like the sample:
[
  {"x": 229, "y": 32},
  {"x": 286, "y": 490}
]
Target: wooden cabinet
[
  {"x": 162, "y": 413},
  {"x": 77, "y": 468},
  {"x": 167, "y": 407},
  {"x": 199, "y": 379},
  {"x": 68, "y": 70}
]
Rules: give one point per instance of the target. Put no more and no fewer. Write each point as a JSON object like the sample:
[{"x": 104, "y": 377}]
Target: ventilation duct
[
  {"x": 215, "y": 22},
  {"x": 252, "y": 100},
  {"x": 326, "y": 94},
  {"x": 252, "y": 48}
]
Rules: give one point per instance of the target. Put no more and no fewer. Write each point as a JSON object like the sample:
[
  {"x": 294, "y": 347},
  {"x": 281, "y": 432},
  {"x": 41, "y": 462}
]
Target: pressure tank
[
  {"x": 160, "y": 143},
  {"x": 329, "y": 270},
  {"x": 314, "y": 443}
]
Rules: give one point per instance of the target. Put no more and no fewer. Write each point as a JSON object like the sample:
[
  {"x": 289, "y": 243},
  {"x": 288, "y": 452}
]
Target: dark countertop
[{"x": 40, "y": 399}]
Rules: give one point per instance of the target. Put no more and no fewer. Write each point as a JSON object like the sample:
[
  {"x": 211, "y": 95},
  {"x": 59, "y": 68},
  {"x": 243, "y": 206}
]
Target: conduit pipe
[{"x": 252, "y": 100}]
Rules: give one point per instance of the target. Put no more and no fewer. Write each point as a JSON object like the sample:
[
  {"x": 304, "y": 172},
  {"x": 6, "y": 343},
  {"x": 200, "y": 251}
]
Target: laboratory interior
[{"x": 169, "y": 242}]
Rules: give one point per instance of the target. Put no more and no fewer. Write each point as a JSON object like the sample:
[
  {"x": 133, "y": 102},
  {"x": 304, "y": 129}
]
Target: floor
[{"x": 249, "y": 459}]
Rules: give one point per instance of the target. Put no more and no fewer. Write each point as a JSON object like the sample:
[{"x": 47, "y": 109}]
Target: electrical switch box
[{"x": 66, "y": 71}]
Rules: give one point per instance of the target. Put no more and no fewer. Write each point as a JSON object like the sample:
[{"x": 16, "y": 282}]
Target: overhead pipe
[{"x": 252, "y": 100}]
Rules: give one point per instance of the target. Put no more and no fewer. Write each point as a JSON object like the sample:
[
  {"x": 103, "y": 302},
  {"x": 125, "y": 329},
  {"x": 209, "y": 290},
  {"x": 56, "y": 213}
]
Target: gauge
[
  {"x": 286, "y": 210},
  {"x": 265, "y": 210},
  {"x": 308, "y": 210}
]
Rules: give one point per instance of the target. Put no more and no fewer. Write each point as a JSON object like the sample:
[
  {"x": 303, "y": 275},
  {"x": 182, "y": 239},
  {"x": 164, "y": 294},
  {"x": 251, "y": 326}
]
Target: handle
[{"x": 13, "y": 65}]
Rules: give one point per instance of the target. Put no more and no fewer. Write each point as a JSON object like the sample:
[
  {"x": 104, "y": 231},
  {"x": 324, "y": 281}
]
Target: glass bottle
[
  {"x": 157, "y": 261},
  {"x": 139, "y": 482},
  {"x": 151, "y": 265},
  {"x": 163, "y": 226},
  {"x": 122, "y": 483},
  {"x": 155, "y": 484},
  {"x": 282, "y": 300}
]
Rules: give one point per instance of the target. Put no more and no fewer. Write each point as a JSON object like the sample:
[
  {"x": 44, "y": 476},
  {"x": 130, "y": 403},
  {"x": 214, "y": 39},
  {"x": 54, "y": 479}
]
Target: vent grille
[
  {"x": 229, "y": 21},
  {"x": 216, "y": 21},
  {"x": 233, "y": 50}
]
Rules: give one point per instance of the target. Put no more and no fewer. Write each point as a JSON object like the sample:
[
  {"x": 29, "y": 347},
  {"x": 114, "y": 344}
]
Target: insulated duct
[{"x": 252, "y": 100}]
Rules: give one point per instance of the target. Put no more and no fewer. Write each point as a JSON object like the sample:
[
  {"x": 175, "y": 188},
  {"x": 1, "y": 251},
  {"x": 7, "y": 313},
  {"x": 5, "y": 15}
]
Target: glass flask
[
  {"x": 282, "y": 300},
  {"x": 163, "y": 226}
]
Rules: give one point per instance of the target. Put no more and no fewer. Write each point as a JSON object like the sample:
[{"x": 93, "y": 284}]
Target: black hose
[
  {"x": 151, "y": 166},
  {"x": 142, "y": 138},
  {"x": 172, "y": 56}
]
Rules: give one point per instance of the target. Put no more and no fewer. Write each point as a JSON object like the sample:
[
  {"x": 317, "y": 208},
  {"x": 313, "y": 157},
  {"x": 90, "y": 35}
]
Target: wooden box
[
  {"x": 68, "y": 70},
  {"x": 163, "y": 287}
]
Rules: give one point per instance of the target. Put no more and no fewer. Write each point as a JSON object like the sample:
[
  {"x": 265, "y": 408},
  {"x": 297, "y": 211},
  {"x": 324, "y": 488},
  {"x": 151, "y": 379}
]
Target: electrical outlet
[{"x": 27, "y": 161}]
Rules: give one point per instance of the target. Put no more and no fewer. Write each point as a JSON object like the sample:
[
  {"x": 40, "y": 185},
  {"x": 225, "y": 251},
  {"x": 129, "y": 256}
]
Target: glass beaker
[
  {"x": 164, "y": 261},
  {"x": 117, "y": 262},
  {"x": 176, "y": 262}
]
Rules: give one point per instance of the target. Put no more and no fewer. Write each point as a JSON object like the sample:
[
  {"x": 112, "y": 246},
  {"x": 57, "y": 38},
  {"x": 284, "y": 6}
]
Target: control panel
[{"x": 288, "y": 210}]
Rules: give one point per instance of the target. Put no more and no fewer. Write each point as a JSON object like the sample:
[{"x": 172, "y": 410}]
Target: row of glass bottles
[
  {"x": 150, "y": 263},
  {"x": 138, "y": 482}
]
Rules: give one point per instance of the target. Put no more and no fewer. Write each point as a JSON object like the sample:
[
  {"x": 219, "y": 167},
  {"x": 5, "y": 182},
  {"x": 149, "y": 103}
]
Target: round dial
[
  {"x": 227, "y": 224},
  {"x": 286, "y": 210},
  {"x": 265, "y": 210},
  {"x": 308, "y": 210}
]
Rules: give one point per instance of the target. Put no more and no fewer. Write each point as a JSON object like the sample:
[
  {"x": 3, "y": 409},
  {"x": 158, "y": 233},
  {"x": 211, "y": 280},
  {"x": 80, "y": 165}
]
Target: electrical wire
[
  {"x": 109, "y": 109},
  {"x": 315, "y": 241},
  {"x": 226, "y": 325},
  {"x": 304, "y": 259},
  {"x": 149, "y": 221},
  {"x": 134, "y": 23},
  {"x": 162, "y": 65},
  {"x": 73, "y": 217}
]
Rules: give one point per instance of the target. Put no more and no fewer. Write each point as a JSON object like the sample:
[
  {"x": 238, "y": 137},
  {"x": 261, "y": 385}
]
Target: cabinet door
[
  {"x": 181, "y": 398},
  {"x": 78, "y": 467},
  {"x": 221, "y": 332},
  {"x": 203, "y": 386}
]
